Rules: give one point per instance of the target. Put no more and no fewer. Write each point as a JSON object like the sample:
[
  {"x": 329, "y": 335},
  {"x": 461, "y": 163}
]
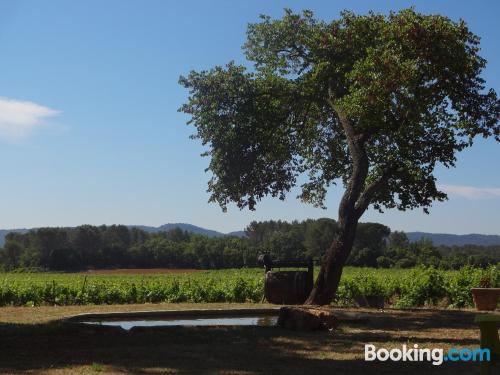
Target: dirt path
[{"x": 140, "y": 271}]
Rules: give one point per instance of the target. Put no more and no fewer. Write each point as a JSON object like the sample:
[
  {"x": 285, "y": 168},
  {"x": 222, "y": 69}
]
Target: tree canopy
[
  {"x": 384, "y": 98},
  {"x": 373, "y": 101}
]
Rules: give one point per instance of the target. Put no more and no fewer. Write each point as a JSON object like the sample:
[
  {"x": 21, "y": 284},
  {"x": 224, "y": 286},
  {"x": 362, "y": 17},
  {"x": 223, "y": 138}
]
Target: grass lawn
[{"x": 32, "y": 341}]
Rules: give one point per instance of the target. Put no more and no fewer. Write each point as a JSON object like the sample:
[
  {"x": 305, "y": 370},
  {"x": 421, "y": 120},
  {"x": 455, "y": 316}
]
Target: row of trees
[
  {"x": 400, "y": 253},
  {"x": 118, "y": 246},
  {"x": 115, "y": 246},
  {"x": 310, "y": 238},
  {"x": 374, "y": 246}
]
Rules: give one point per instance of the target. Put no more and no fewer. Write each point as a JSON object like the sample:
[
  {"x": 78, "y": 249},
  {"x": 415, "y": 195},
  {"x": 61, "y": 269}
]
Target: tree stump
[{"x": 306, "y": 319}]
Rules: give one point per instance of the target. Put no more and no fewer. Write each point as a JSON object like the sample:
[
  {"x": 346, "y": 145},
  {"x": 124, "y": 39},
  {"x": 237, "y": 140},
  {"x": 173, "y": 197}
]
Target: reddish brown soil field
[{"x": 139, "y": 271}]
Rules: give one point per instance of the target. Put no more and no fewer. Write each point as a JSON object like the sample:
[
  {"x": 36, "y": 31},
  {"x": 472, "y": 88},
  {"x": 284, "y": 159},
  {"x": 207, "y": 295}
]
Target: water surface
[{"x": 205, "y": 321}]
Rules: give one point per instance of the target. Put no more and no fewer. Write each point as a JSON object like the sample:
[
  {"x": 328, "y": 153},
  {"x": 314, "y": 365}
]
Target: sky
[{"x": 90, "y": 133}]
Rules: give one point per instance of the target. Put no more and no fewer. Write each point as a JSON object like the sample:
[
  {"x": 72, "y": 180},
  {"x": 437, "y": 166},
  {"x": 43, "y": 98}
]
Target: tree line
[
  {"x": 118, "y": 246},
  {"x": 375, "y": 245}
]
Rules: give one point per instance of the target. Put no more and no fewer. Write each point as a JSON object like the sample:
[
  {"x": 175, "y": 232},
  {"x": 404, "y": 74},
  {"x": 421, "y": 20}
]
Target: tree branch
[
  {"x": 360, "y": 164},
  {"x": 366, "y": 196}
]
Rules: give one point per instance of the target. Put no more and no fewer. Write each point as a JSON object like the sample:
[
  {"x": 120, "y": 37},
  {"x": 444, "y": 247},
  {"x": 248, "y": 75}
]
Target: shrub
[{"x": 423, "y": 286}]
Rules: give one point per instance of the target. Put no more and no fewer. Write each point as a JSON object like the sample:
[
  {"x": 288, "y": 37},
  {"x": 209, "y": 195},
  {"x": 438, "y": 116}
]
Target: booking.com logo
[{"x": 437, "y": 355}]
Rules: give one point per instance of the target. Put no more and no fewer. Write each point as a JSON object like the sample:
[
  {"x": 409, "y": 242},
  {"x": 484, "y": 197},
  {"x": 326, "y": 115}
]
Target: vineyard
[{"x": 401, "y": 288}]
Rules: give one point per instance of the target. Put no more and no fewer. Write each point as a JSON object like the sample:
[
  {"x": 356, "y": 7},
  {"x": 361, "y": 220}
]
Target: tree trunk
[
  {"x": 331, "y": 270},
  {"x": 352, "y": 205}
]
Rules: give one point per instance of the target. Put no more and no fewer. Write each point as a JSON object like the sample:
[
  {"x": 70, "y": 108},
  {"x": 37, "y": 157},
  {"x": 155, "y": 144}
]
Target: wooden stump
[{"x": 306, "y": 319}]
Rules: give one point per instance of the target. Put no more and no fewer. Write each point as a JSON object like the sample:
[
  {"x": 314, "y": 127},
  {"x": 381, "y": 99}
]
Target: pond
[
  {"x": 200, "y": 321},
  {"x": 180, "y": 318}
]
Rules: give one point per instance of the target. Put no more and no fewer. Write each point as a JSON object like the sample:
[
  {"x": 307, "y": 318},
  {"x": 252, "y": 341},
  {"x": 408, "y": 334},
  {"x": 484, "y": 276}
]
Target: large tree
[{"x": 374, "y": 102}]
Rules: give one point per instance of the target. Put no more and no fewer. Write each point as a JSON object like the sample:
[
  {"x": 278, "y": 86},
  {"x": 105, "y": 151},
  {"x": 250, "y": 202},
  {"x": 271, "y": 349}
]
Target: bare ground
[
  {"x": 31, "y": 342},
  {"x": 139, "y": 271}
]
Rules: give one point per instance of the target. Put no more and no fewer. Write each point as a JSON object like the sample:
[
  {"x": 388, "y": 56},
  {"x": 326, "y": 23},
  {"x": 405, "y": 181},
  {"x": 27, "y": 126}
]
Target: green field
[{"x": 402, "y": 288}]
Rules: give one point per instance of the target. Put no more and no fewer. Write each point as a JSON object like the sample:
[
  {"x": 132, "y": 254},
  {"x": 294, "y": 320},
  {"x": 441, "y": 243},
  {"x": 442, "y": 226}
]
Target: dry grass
[{"x": 52, "y": 348}]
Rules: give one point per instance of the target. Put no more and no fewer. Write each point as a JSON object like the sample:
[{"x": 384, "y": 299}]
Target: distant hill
[
  {"x": 238, "y": 233},
  {"x": 188, "y": 228},
  {"x": 184, "y": 226},
  {"x": 456, "y": 239}
]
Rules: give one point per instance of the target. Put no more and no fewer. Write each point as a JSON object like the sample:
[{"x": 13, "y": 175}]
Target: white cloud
[
  {"x": 470, "y": 192},
  {"x": 18, "y": 119}
]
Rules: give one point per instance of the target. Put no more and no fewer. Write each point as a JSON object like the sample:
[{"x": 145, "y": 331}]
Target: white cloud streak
[
  {"x": 470, "y": 192},
  {"x": 19, "y": 119}
]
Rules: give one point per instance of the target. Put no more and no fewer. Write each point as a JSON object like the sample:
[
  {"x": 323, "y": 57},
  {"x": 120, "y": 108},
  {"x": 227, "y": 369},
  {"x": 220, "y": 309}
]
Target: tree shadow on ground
[
  {"x": 259, "y": 350},
  {"x": 411, "y": 319}
]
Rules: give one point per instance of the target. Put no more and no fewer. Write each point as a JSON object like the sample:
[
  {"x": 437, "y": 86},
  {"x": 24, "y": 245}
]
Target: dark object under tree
[
  {"x": 373, "y": 101},
  {"x": 287, "y": 287}
]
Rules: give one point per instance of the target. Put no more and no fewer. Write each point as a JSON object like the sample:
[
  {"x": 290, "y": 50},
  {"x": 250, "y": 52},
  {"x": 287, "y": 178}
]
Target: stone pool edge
[{"x": 194, "y": 313}]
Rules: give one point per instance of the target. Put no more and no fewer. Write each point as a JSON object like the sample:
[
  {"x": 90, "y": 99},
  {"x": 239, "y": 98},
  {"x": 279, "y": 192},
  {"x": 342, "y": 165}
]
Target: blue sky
[{"x": 90, "y": 133}]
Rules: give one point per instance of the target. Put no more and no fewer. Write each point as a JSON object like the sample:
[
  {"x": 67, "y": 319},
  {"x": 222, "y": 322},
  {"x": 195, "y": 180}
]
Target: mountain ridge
[{"x": 446, "y": 239}]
